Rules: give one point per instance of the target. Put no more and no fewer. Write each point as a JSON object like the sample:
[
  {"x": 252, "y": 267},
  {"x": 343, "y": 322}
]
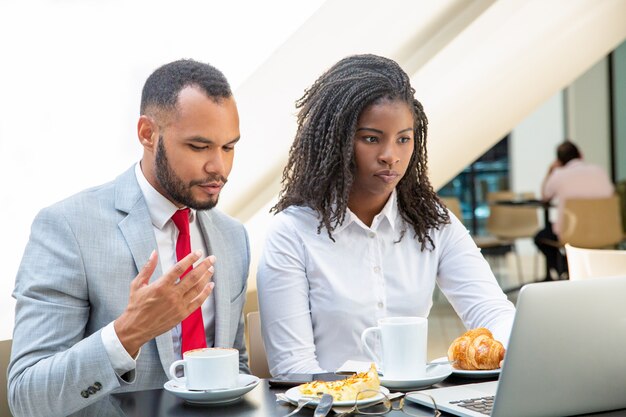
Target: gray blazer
[{"x": 74, "y": 279}]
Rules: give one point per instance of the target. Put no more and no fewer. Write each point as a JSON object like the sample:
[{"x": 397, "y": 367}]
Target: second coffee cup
[
  {"x": 208, "y": 368},
  {"x": 403, "y": 343}
]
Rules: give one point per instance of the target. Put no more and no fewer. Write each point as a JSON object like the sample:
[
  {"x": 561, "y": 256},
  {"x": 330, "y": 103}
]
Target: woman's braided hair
[{"x": 320, "y": 170}]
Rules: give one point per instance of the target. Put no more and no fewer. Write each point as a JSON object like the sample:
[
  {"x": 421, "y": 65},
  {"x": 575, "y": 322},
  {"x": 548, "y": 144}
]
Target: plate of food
[
  {"x": 344, "y": 391},
  {"x": 476, "y": 354}
]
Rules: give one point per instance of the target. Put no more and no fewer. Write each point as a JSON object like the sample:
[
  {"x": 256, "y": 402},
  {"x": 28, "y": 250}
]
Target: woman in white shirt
[{"x": 359, "y": 233}]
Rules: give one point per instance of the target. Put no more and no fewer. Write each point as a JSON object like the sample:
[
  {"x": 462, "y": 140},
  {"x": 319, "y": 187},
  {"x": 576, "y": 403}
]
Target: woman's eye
[
  {"x": 197, "y": 148},
  {"x": 404, "y": 139},
  {"x": 370, "y": 139}
]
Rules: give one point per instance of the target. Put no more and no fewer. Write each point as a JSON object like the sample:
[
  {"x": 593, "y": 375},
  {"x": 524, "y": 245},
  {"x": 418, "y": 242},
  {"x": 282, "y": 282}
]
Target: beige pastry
[{"x": 476, "y": 349}]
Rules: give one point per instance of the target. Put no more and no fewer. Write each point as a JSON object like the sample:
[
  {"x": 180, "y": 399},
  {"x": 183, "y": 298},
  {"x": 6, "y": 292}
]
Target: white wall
[
  {"x": 533, "y": 144},
  {"x": 70, "y": 83},
  {"x": 588, "y": 114}
]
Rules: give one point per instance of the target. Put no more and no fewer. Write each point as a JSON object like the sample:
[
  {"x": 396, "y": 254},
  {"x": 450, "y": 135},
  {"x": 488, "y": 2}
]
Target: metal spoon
[
  {"x": 324, "y": 406},
  {"x": 430, "y": 365},
  {"x": 440, "y": 363}
]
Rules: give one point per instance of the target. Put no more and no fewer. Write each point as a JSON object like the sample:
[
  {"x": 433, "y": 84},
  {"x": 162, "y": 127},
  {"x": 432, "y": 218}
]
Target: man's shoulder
[{"x": 581, "y": 169}]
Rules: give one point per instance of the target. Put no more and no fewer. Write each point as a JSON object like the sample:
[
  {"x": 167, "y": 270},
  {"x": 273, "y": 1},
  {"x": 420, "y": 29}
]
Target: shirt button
[
  {"x": 372, "y": 234},
  {"x": 91, "y": 390},
  {"x": 377, "y": 269},
  {"x": 97, "y": 386},
  {"x": 380, "y": 305},
  {"x": 84, "y": 393}
]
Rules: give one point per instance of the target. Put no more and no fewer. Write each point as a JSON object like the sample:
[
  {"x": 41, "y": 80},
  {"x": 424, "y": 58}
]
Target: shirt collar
[
  {"x": 161, "y": 209},
  {"x": 389, "y": 212}
]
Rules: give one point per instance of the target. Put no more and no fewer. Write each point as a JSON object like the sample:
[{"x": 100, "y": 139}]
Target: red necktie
[{"x": 193, "y": 336}]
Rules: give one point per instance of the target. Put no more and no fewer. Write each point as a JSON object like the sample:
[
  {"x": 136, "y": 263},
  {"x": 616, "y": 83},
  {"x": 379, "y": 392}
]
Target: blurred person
[
  {"x": 569, "y": 176},
  {"x": 359, "y": 233},
  {"x": 107, "y": 297}
]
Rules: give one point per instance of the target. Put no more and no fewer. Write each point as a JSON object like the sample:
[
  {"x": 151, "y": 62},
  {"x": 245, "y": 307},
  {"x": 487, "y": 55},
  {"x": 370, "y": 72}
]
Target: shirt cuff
[{"x": 120, "y": 359}]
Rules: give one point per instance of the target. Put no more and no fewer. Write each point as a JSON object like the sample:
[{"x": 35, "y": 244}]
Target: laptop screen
[{"x": 565, "y": 354}]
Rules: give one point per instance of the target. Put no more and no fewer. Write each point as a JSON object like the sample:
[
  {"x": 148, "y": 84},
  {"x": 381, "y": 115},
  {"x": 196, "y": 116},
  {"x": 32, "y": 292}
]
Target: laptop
[{"x": 566, "y": 355}]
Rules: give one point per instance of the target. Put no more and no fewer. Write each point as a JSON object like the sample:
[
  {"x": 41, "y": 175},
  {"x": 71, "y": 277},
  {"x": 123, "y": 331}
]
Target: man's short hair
[
  {"x": 566, "y": 152},
  {"x": 163, "y": 86}
]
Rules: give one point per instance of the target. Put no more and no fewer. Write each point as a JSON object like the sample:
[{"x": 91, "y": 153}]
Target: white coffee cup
[
  {"x": 404, "y": 343},
  {"x": 208, "y": 369}
]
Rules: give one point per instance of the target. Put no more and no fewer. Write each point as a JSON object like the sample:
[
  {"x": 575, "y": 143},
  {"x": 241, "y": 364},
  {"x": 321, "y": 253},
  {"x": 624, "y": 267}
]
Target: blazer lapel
[
  {"x": 136, "y": 228},
  {"x": 221, "y": 291}
]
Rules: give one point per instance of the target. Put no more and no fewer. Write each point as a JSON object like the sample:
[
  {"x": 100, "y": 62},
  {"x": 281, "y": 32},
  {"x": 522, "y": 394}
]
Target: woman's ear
[{"x": 147, "y": 132}]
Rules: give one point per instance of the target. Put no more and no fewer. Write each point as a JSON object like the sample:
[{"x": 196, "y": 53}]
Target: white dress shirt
[
  {"x": 576, "y": 179},
  {"x": 166, "y": 233},
  {"x": 317, "y": 296}
]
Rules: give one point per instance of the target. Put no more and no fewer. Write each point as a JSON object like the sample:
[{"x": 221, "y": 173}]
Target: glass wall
[
  {"x": 618, "y": 81},
  {"x": 488, "y": 173}
]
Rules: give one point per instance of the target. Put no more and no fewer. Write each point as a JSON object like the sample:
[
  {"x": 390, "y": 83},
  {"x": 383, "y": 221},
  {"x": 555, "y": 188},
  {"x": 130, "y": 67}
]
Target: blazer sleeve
[
  {"x": 54, "y": 362},
  {"x": 239, "y": 341}
]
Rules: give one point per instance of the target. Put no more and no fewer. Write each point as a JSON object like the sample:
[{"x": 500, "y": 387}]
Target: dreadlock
[{"x": 320, "y": 170}]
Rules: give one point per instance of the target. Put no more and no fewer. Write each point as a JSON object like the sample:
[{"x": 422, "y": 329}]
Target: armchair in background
[
  {"x": 454, "y": 205},
  {"x": 594, "y": 263},
  {"x": 5, "y": 355},
  {"x": 591, "y": 223},
  {"x": 506, "y": 224},
  {"x": 256, "y": 349}
]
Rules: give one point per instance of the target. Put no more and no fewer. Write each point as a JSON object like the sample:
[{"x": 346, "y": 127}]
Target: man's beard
[{"x": 175, "y": 188}]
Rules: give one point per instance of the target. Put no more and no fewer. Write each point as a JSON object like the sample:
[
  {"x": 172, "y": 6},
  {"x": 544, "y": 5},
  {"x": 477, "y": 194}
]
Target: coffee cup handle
[
  {"x": 173, "y": 366},
  {"x": 369, "y": 351}
]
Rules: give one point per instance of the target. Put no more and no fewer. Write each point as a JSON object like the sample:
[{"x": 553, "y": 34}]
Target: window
[{"x": 488, "y": 173}]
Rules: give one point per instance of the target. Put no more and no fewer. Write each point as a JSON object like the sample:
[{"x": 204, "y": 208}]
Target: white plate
[
  {"x": 471, "y": 374},
  {"x": 294, "y": 394},
  {"x": 434, "y": 374},
  {"x": 245, "y": 383}
]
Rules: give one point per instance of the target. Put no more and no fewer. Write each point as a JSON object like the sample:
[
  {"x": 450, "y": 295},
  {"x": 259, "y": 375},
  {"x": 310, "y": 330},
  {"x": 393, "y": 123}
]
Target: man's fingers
[
  {"x": 143, "y": 277},
  {"x": 204, "y": 293},
  {"x": 195, "y": 277},
  {"x": 181, "y": 266}
]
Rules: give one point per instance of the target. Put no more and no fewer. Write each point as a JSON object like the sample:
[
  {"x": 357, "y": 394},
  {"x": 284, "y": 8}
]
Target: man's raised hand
[{"x": 154, "y": 308}]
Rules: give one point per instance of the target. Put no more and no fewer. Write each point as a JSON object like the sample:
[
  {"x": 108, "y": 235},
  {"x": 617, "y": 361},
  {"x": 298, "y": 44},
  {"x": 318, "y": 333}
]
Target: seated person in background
[
  {"x": 359, "y": 232},
  {"x": 99, "y": 280},
  {"x": 568, "y": 177}
]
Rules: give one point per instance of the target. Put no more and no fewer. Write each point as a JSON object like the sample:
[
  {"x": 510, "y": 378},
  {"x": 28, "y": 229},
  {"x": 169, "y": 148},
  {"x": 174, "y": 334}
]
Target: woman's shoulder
[{"x": 294, "y": 218}]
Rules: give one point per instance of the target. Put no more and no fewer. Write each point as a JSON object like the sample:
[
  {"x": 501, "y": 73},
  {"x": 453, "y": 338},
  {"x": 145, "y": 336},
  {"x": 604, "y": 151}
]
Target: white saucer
[
  {"x": 476, "y": 374},
  {"x": 434, "y": 374},
  {"x": 245, "y": 383},
  {"x": 471, "y": 374}
]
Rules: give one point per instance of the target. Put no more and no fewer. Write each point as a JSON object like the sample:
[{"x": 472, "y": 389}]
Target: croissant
[{"x": 476, "y": 349}]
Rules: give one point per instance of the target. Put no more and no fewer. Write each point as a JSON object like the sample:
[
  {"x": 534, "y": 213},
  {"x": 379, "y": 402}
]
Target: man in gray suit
[{"x": 101, "y": 291}]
